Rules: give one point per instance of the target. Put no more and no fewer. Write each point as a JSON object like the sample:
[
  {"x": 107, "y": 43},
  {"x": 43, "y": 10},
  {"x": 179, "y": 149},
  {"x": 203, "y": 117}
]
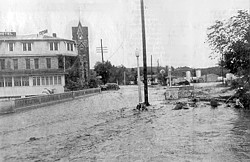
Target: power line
[
  {"x": 116, "y": 50},
  {"x": 101, "y": 50}
]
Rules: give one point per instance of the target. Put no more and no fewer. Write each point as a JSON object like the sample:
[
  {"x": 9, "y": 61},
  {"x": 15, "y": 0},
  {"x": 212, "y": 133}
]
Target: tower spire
[{"x": 79, "y": 13}]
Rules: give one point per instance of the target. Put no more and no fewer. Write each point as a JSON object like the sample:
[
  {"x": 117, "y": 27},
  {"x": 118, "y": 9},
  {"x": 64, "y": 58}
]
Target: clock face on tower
[{"x": 80, "y": 37}]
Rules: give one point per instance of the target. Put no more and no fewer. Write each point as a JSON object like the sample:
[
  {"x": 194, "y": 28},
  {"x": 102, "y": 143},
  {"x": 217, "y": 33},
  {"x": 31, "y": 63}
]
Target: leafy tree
[
  {"x": 117, "y": 74},
  {"x": 103, "y": 70},
  {"x": 231, "y": 39},
  {"x": 162, "y": 76},
  {"x": 133, "y": 75}
]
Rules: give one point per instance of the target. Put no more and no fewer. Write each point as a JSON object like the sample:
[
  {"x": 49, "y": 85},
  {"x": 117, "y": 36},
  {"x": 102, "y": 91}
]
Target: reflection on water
[{"x": 241, "y": 135}]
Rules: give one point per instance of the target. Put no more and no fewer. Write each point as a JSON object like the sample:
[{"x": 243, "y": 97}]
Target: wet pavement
[{"x": 105, "y": 127}]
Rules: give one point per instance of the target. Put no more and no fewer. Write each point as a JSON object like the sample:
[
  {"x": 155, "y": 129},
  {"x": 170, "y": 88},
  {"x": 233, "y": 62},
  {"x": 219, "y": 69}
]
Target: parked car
[
  {"x": 185, "y": 82},
  {"x": 103, "y": 87},
  {"x": 109, "y": 86},
  {"x": 112, "y": 86}
]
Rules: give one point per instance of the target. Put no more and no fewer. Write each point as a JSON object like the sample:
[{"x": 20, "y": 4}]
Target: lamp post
[
  {"x": 138, "y": 76},
  {"x": 170, "y": 79}
]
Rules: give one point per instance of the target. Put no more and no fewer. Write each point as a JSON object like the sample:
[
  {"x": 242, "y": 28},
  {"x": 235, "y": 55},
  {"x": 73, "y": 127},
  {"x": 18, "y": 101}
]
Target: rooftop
[{"x": 32, "y": 37}]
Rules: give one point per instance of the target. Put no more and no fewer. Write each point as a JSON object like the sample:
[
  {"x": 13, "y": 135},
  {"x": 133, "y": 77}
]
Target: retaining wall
[
  {"x": 12, "y": 105},
  {"x": 176, "y": 92}
]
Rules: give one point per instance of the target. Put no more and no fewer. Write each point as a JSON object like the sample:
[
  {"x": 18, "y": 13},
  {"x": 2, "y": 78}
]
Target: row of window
[
  {"x": 27, "y": 63},
  {"x": 48, "y": 80},
  {"x": 18, "y": 81},
  {"x": 24, "y": 81},
  {"x": 53, "y": 46}
]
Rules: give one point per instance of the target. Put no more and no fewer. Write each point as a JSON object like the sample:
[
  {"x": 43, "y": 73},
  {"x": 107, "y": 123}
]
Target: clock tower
[{"x": 80, "y": 35}]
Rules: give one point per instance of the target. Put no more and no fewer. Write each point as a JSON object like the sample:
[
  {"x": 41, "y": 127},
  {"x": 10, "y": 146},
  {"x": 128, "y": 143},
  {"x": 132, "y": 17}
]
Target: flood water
[{"x": 105, "y": 127}]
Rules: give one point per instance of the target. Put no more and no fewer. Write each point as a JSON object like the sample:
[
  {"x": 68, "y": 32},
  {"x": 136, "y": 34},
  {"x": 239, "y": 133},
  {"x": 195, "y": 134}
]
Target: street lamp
[
  {"x": 138, "y": 76},
  {"x": 170, "y": 76}
]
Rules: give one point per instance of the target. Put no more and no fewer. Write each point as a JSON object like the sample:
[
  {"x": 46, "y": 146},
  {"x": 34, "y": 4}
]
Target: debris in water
[
  {"x": 33, "y": 138},
  {"x": 180, "y": 105},
  {"x": 141, "y": 107},
  {"x": 214, "y": 102},
  {"x": 238, "y": 104}
]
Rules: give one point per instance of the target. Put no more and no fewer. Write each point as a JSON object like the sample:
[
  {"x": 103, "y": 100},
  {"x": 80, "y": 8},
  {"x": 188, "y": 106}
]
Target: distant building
[
  {"x": 153, "y": 80},
  {"x": 29, "y": 64},
  {"x": 174, "y": 80},
  {"x": 210, "y": 78},
  {"x": 80, "y": 35}
]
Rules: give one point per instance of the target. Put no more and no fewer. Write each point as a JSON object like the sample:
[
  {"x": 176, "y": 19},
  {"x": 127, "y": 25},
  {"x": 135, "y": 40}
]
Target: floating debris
[
  {"x": 180, "y": 105},
  {"x": 33, "y": 139},
  {"x": 214, "y": 102},
  {"x": 141, "y": 107}
]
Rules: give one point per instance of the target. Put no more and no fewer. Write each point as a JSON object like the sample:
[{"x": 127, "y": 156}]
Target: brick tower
[{"x": 80, "y": 35}]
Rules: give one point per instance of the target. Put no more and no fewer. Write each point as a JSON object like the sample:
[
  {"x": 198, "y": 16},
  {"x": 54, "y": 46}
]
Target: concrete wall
[
  {"x": 9, "y": 106},
  {"x": 177, "y": 92},
  {"x": 40, "y": 100}
]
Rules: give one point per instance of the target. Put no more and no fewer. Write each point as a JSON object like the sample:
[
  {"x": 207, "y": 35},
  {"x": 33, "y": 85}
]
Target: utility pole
[
  {"x": 170, "y": 77},
  {"x": 144, "y": 56},
  {"x": 151, "y": 71},
  {"x": 124, "y": 73},
  {"x": 101, "y": 50},
  {"x": 222, "y": 69},
  {"x": 158, "y": 66}
]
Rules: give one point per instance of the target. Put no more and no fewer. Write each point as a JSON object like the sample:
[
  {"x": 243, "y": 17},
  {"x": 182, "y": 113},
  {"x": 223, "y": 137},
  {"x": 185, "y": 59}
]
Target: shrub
[
  {"x": 246, "y": 100},
  {"x": 244, "y": 93},
  {"x": 93, "y": 83}
]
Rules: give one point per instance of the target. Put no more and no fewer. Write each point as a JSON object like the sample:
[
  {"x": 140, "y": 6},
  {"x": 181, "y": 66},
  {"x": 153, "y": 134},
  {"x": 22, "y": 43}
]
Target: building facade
[
  {"x": 31, "y": 64},
  {"x": 80, "y": 35},
  {"x": 210, "y": 78}
]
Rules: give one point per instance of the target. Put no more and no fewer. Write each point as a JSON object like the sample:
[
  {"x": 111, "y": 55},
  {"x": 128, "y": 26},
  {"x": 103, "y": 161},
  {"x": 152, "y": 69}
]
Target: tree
[
  {"x": 162, "y": 76},
  {"x": 231, "y": 40},
  {"x": 103, "y": 70},
  {"x": 133, "y": 75}
]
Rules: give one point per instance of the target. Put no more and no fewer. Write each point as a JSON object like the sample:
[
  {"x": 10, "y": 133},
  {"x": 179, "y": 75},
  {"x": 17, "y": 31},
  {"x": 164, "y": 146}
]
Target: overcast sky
[{"x": 175, "y": 29}]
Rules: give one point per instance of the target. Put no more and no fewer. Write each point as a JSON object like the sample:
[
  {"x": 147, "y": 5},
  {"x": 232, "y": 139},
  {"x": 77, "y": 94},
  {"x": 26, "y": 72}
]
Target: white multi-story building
[{"x": 29, "y": 64}]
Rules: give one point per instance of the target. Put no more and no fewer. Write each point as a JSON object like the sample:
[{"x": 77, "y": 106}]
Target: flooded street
[{"x": 104, "y": 127}]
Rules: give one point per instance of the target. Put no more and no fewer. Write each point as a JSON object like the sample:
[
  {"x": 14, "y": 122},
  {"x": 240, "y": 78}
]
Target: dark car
[
  {"x": 112, "y": 86},
  {"x": 103, "y": 87},
  {"x": 185, "y": 82}
]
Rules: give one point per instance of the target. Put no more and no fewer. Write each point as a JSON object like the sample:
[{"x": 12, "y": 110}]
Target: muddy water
[{"x": 105, "y": 128}]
